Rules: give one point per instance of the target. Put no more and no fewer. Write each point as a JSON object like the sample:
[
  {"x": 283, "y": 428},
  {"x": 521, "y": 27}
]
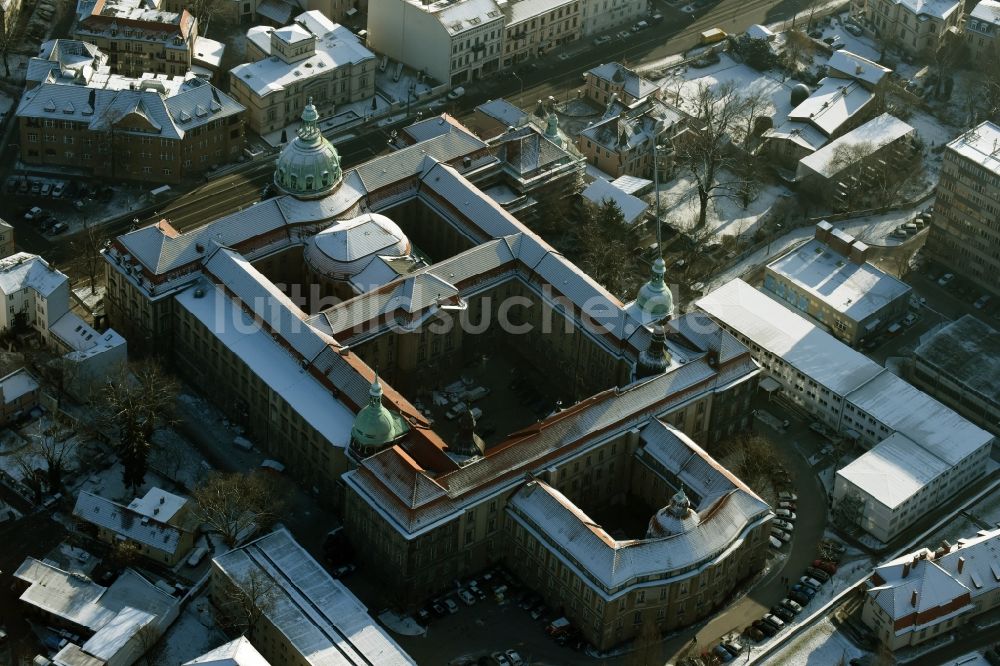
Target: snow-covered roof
[
  {"x": 503, "y": 112},
  {"x": 631, "y": 184},
  {"x": 80, "y": 601},
  {"x": 29, "y": 271},
  {"x": 601, "y": 190},
  {"x": 152, "y": 532},
  {"x": 939, "y": 9},
  {"x": 81, "y": 338},
  {"x": 269, "y": 360},
  {"x": 870, "y": 137},
  {"x": 834, "y": 103},
  {"x": 856, "y": 290},
  {"x": 757, "y": 31},
  {"x": 633, "y": 128},
  {"x": 321, "y": 619},
  {"x": 800, "y": 133},
  {"x": 619, "y": 75},
  {"x": 114, "y": 635},
  {"x": 208, "y": 52},
  {"x": 981, "y": 146},
  {"x": 785, "y": 334},
  {"x": 856, "y": 67},
  {"x": 17, "y": 384},
  {"x": 158, "y": 504},
  {"x": 967, "y": 351},
  {"x": 336, "y": 47},
  {"x": 894, "y": 470},
  {"x": 924, "y": 580},
  {"x": 905, "y": 409},
  {"x": 291, "y": 34},
  {"x": 461, "y": 15},
  {"x": 347, "y": 247},
  {"x": 987, "y": 11},
  {"x": 728, "y": 513},
  {"x": 238, "y": 652},
  {"x": 529, "y": 9}
]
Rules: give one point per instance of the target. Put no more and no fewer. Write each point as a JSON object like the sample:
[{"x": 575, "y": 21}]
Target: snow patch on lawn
[{"x": 820, "y": 645}]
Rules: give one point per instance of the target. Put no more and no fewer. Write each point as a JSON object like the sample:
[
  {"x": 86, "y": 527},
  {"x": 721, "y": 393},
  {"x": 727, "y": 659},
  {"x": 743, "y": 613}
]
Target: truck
[{"x": 713, "y": 35}]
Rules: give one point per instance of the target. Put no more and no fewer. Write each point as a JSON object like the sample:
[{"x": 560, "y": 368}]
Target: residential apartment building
[
  {"x": 915, "y": 27},
  {"x": 982, "y": 29},
  {"x": 18, "y": 395},
  {"x": 162, "y": 526},
  {"x": 860, "y": 169},
  {"x": 922, "y": 595},
  {"x": 621, "y": 142},
  {"x": 616, "y": 80},
  {"x": 921, "y": 452},
  {"x": 8, "y": 245},
  {"x": 311, "y": 59},
  {"x": 597, "y": 16},
  {"x": 453, "y": 42},
  {"x": 829, "y": 280},
  {"x": 960, "y": 366},
  {"x": 138, "y": 39},
  {"x": 311, "y": 618},
  {"x": 965, "y": 235},
  {"x": 533, "y": 27},
  {"x": 153, "y": 131}
]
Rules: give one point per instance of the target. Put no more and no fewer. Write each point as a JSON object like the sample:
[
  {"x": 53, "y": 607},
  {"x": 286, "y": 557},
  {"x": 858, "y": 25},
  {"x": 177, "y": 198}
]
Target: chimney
[
  {"x": 859, "y": 253},
  {"x": 822, "y": 232},
  {"x": 913, "y": 599},
  {"x": 906, "y": 569},
  {"x": 961, "y": 564}
]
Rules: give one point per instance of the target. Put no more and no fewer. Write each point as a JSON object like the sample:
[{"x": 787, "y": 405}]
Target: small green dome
[
  {"x": 375, "y": 426},
  {"x": 654, "y": 299},
  {"x": 309, "y": 165}
]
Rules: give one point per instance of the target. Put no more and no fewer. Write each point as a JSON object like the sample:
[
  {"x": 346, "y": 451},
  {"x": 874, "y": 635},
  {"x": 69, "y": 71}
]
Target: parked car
[
  {"x": 765, "y": 628},
  {"x": 853, "y": 29},
  {"x": 456, "y": 92},
  {"x": 811, "y": 582},
  {"x": 784, "y": 513},
  {"x": 46, "y": 189},
  {"x": 33, "y": 213},
  {"x": 59, "y": 227},
  {"x": 826, "y": 566},
  {"x": 501, "y": 659},
  {"x": 36, "y": 187},
  {"x": 603, "y": 39},
  {"x": 641, "y": 25},
  {"x": 798, "y": 597},
  {"x": 733, "y": 648},
  {"x": 787, "y": 496},
  {"x": 754, "y": 633},
  {"x": 818, "y": 574},
  {"x": 774, "y": 621},
  {"x": 514, "y": 658},
  {"x": 58, "y": 190},
  {"x": 450, "y": 604},
  {"x": 424, "y": 614},
  {"x": 722, "y": 653},
  {"x": 787, "y": 505},
  {"x": 782, "y": 524},
  {"x": 945, "y": 279},
  {"x": 791, "y": 605},
  {"x": 910, "y": 319},
  {"x": 804, "y": 589},
  {"x": 343, "y": 569},
  {"x": 775, "y": 542},
  {"x": 782, "y": 612},
  {"x": 982, "y": 302},
  {"x": 781, "y": 534},
  {"x": 467, "y": 597}
]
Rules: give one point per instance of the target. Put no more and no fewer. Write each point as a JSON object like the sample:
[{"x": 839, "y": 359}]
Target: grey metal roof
[
  {"x": 198, "y": 103},
  {"x": 968, "y": 352},
  {"x": 131, "y": 524}
]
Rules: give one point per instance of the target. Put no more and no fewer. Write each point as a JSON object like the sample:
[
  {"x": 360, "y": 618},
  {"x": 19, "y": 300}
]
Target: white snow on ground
[
  {"x": 90, "y": 296},
  {"x": 820, "y": 645},
  {"x": 190, "y": 636},
  {"x": 968, "y": 659},
  {"x": 176, "y": 458},
  {"x": 862, "y": 46},
  {"x": 877, "y": 229},
  {"x": 726, "y": 217},
  {"x": 108, "y": 483}
]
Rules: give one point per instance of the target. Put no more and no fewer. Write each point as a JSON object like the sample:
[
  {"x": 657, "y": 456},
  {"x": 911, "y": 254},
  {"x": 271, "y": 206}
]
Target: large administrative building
[{"x": 341, "y": 314}]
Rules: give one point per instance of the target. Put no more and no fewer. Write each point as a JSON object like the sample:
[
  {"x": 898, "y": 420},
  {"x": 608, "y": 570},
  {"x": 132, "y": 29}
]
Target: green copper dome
[
  {"x": 375, "y": 426},
  {"x": 309, "y": 166},
  {"x": 654, "y": 299}
]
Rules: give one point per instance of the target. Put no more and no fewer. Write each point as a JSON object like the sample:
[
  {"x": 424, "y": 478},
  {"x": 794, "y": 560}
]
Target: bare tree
[
  {"x": 603, "y": 248},
  {"x": 205, "y": 11},
  {"x": 138, "y": 401},
  {"x": 746, "y": 133},
  {"x": 232, "y": 503},
  {"x": 122, "y": 554},
  {"x": 87, "y": 245},
  {"x": 9, "y": 33},
  {"x": 708, "y": 151},
  {"x": 54, "y": 447},
  {"x": 246, "y": 599},
  {"x": 32, "y": 476},
  {"x": 752, "y": 458}
]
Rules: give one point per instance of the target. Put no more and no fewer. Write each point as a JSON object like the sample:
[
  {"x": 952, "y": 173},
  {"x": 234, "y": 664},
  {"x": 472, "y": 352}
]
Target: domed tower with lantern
[
  {"x": 375, "y": 427},
  {"x": 309, "y": 166},
  {"x": 677, "y": 517}
]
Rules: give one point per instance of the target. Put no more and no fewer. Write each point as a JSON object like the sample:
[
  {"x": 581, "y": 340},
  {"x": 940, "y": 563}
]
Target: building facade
[
  {"x": 533, "y": 27},
  {"x": 616, "y": 80},
  {"x": 982, "y": 27},
  {"x": 960, "y": 366},
  {"x": 137, "y": 133},
  {"x": 964, "y": 235},
  {"x": 597, "y": 16},
  {"x": 453, "y": 42},
  {"x": 18, "y": 395},
  {"x": 311, "y": 59},
  {"x": 138, "y": 39},
  {"x": 621, "y": 143},
  {"x": 924, "y": 594},
  {"x": 916, "y": 28},
  {"x": 921, "y": 453},
  {"x": 829, "y": 280},
  {"x": 8, "y": 244}
]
